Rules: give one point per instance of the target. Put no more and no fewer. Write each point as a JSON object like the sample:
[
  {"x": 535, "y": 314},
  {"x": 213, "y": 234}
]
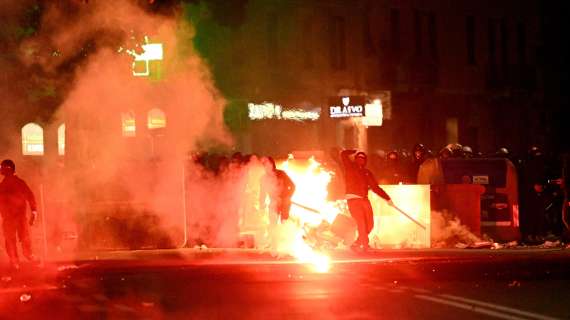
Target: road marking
[
  {"x": 499, "y": 307},
  {"x": 419, "y": 290},
  {"x": 470, "y": 307},
  {"x": 27, "y": 289},
  {"x": 290, "y": 261},
  {"x": 91, "y": 308},
  {"x": 395, "y": 290}
]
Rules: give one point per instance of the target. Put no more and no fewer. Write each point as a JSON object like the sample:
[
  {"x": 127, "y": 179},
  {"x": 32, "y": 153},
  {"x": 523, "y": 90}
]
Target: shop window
[
  {"x": 32, "y": 140},
  {"x": 451, "y": 130},
  {"x": 395, "y": 31},
  {"x": 470, "y": 31},
  {"x": 337, "y": 43},
  {"x": 156, "y": 119},
  {"x": 128, "y": 124},
  {"x": 61, "y": 140}
]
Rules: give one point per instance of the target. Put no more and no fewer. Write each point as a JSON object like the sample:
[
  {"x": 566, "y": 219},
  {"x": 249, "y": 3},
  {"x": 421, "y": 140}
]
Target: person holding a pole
[
  {"x": 358, "y": 180},
  {"x": 279, "y": 186},
  {"x": 14, "y": 195}
]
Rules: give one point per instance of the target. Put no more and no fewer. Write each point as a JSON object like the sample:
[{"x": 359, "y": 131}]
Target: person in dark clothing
[
  {"x": 419, "y": 155},
  {"x": 285, "y": 188},
  {"x": 393, "y": 170},
  {"x": 358, "y": 180},
  {"x": 532, "y": 173},
  {"x": 535, "y": 222},
  {"x": 14, "y": 193},
  {"x": 467, "y": 152}
]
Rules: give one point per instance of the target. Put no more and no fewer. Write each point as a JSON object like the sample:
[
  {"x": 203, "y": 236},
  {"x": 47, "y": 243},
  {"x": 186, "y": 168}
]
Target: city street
[
  {"x": 245, "y": 284},
  {"x": 284, "y": 159}
]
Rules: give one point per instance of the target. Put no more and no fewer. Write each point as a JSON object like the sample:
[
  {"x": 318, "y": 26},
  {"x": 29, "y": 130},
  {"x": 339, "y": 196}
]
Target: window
[
  {"x": 504, "y": 43},
  {"x": 307, "y": 43},
  {"x": 61, "y": 140},
  {"x": 492, "y": 37},
  {"x": 452, "y": 130},
  {"x": 128, "y": 124},
  {"x": 272, "y": 41},
  {"x": 32, "y": 140},
  {"x": 367, "y": 38},
  {"x": 395, "y": 30},
  {"x": 337, "y": 43},
  {"x": 418, "y": 32},
  {"x": 156, "y": 119},
  {"x": 470, "y": 35},
  {"x": 432, "y": 29},
  {"x": 521, "y": 43}
]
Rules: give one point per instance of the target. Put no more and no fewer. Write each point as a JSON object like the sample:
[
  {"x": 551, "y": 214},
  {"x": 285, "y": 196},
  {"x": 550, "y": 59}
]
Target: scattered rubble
[
  {"x": 25, "y": 297},
  {"x": 551, "y": 244},
  {"x": 514, "y": 283}
]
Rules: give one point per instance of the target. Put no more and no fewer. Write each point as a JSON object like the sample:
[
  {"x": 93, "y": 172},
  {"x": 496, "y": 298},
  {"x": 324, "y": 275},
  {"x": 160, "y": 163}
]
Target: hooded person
[
  {"x": 358, "y": 181},
  {"x": 14, "y": 197}
]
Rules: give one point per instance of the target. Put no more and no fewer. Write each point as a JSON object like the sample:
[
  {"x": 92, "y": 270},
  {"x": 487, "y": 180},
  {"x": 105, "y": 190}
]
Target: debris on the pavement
[
  {"x": 461, "y": 245},
  {"x": 25, "y": 297},
  {"x": 147, "y": 304},
  {"x": 6, "y": 278},
  {"x": 514, "y": 283},
  {"x": 67, "y": 267},
  {"x": 497, "y": 246},
  {"x": 482, "y": 245},
  {"x": 512, "y": 244},
  {"x": 551, "y": 244}
]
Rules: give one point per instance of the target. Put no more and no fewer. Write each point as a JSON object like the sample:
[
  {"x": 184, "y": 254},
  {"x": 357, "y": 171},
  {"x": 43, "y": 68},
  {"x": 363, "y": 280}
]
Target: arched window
[
  {"x": 32, "y": 140},
  {"x": 156, "y": 119},
  {"x": 61, "y": 140},
  {"x": 128, "y": 124}
]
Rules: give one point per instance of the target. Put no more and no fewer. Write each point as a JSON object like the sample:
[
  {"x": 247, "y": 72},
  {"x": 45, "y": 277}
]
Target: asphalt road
[{"x": 429, "y": 284}]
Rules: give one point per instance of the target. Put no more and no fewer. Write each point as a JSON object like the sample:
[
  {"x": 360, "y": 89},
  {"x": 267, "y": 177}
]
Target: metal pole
[
  {"x": 185, "y": 243},
  {"x": 408, "y": 216},
  {"x": 305, "y": 207},
  {"x": 43, "y": 217}
]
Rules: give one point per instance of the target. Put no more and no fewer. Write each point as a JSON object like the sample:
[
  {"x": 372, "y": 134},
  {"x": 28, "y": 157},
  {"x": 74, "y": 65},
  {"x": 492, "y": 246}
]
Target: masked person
[
  {"x": 14, "y": 193},
  {"x": 358, "y": 180}
]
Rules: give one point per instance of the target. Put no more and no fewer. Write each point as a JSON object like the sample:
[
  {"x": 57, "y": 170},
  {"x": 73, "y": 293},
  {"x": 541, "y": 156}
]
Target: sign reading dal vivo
[{"x": 349, "y": 107}]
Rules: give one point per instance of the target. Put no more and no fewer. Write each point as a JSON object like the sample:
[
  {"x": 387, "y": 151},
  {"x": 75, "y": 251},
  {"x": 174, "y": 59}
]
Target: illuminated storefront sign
[
  {"x": 347, "y": 108},
  {"x": 374, "y": 114},
  {"x": 269, "y": 110}
]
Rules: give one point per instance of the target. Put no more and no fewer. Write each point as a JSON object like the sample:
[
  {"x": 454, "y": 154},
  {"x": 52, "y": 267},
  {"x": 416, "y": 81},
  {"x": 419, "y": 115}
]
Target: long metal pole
[
  {"x": 305, "y": 207},
  {"x": 408, "y": 216},
  {"x": 184, "y": 205},
  {"x": 43, "y": 217}
]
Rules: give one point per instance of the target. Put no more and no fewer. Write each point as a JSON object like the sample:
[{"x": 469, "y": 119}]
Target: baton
[
  {"x": 305, "y": 207},
  {"x": 408, "y": 216}
]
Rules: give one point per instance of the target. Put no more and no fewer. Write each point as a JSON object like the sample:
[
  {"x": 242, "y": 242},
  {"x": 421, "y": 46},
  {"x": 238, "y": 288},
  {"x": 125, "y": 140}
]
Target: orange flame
[{"x": 311, "y": 181}]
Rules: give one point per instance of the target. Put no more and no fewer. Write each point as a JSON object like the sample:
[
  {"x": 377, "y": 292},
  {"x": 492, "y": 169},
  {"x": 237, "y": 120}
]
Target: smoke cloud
[
  {"x": 110, "y": 188},
  {"x": 447, "y": 231}
]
